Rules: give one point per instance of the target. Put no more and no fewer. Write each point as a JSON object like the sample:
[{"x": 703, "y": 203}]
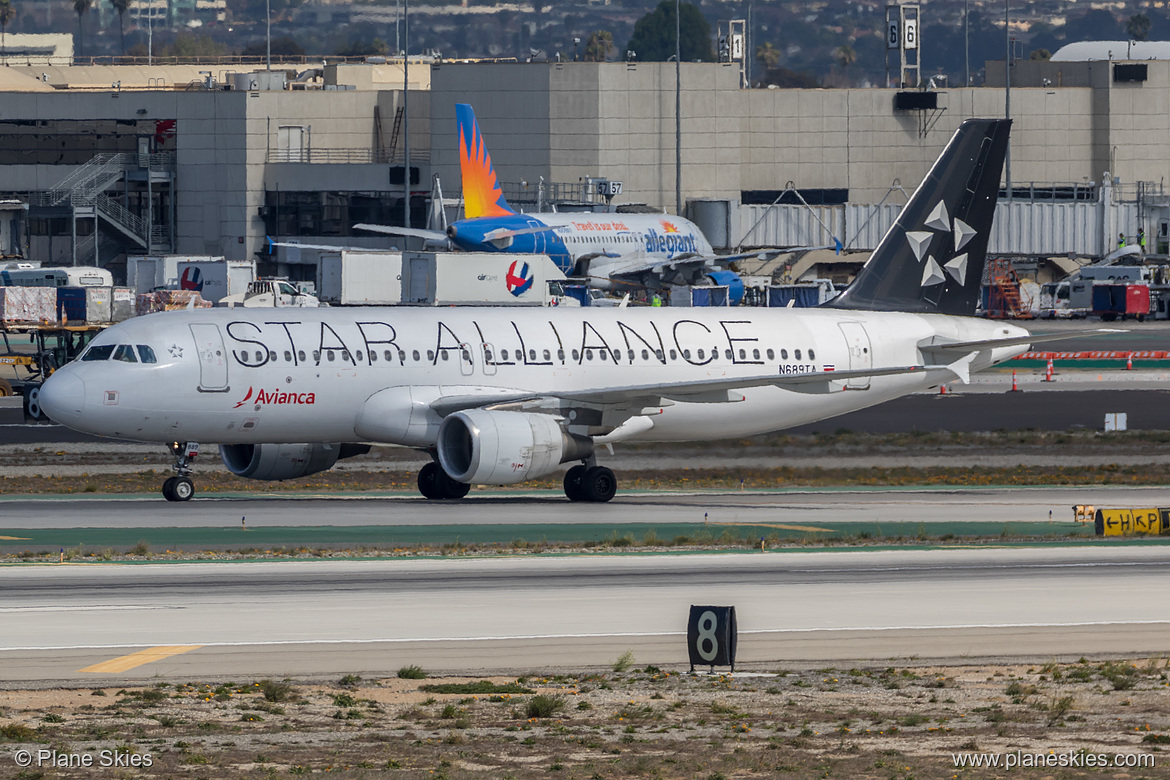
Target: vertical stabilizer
[
  {"x": 482, "y": 196},
  {"x": 931, "y": 260}
]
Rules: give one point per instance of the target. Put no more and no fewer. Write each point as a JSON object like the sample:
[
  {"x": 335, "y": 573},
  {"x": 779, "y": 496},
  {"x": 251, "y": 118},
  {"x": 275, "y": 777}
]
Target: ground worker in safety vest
[
  {"x": 1142, "y": 239},
  {"x": 656, "y": 300},
  {"x": 1121, "y": 240}
]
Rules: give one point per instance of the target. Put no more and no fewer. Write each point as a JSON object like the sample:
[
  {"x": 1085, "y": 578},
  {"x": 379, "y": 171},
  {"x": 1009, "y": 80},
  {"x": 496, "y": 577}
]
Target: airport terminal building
[{"x": 117, "y": 160}]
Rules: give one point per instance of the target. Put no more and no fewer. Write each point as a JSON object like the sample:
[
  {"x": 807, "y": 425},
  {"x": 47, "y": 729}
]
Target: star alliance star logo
[
  {"x": 920, "y": 241},
  {"x": 176, "y": 351}
]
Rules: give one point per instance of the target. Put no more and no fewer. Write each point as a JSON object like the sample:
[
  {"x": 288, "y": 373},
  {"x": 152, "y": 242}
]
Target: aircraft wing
[
  {"x": 715, "y": 389},
  {"x": 1032, "y": 338},
  {"x": 434, "y": 235},
  {"x": 327, "y": 247}
]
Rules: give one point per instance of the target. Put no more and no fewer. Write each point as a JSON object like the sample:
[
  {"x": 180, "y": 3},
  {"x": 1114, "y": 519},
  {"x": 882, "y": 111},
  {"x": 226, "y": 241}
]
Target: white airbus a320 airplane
[{"x": 499, "y": 396}]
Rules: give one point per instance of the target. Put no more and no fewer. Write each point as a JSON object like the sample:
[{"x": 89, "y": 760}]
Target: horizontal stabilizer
[
  {"x": 433, "y": 235},
  {"x": 1015, "y": 341}
]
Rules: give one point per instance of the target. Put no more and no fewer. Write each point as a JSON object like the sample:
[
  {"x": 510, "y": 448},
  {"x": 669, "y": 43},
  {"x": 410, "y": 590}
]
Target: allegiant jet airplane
[
  {"x": 614, "y": 251},
  {"x": 499, "y": 396}
]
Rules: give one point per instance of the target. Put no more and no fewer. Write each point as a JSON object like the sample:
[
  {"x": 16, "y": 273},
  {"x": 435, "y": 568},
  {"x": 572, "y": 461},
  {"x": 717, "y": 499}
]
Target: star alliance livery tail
[
  {"x": 931, "y": 260},
  {"x": 482, "y": 196}
]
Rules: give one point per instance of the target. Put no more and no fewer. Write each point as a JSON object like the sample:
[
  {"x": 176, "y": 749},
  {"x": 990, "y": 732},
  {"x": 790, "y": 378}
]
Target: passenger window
[
  {"x": 728, "y": 354},
  {"x": 658, "y": 354},
  {"x": 430, "y": 356},
  {"x": 561, "y": 355},
  {"x": 796, "y": 353},
  {"x": 547, "y": 355},
  {"x": 673, "y": 355},
  {"x": 812, "y": 355},
  {"x": 330, "y": 356},
  {"x": 742, "y": 355},
  {"x": 503, "y": 354},
  {"x": 373, "y": 356},
  {"x": 755, "y": 354},
  {"x": 532, "y": 354},
  {"x": 388, "y": 355},
  {"x": 576, "y": 356},
  {"x": 272, "y": 356},
  {"x": 771, "y": 355},
  {"x": 444, "y": 353},
  {"x": 125, "y": 353},
  {"x": 487, "y": 353},
  {"x": 588, "y": 354},
  {"x": 301, "y": 355},
  {"x": 414, "y": 355},
  {"x": 783, "y": 354},
  {"x": 401, "y": 356},
  {"x": 146, "y": 353},
  {"x": 686, "y": 353},
  {"x": 287, "y": 356},
  {"x": 259, "y": 356},
  {"x": 645, "y": 354},
  {"x": 700, "y": 354},
  {"x": 358, "y": 356},
  {"x": 316, "y": 356}
]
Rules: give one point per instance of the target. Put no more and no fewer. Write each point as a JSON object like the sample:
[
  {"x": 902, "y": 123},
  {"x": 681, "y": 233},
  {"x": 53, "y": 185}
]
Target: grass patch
[{"x": 475, "y": 688}]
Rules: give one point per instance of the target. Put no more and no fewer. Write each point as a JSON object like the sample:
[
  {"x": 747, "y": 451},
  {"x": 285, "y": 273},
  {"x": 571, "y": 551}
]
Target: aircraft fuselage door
[
  {"x": 466, "y": 367},
  {"x": 213, "y": 374},
  {"x": 489, "y": 357},
  {"x": 539, "y": 240},
  {"x": 860, "y": 354}
]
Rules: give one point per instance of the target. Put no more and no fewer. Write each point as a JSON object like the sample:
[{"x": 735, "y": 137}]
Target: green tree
[
  {"x": 1138, "y": 27},
  {"x": 768, "y": 56},
  {"x": 6, "y": 14},
  {"x": 1042, "y": 55},
  {"x": 187, "y": 45},
  {"x": 285, "y": 46},
  {"x": 653, "y": 39},
  {"x": 81, "y": 7},
  {"x": 599, "y": 46},
  {"x": 845, "y": 57},
  {"x": 121, "y": 6}
]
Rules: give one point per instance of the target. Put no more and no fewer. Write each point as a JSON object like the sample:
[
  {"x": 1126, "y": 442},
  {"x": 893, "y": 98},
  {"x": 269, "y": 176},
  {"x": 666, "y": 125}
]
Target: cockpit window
[
  {"x": 101, "y": 352},
  {"x": 125, "y": 353},
  {"x": 146, "y": 353}
]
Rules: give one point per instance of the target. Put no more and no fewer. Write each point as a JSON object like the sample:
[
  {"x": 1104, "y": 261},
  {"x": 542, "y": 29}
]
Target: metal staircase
[{"x": 84, "y": 194}]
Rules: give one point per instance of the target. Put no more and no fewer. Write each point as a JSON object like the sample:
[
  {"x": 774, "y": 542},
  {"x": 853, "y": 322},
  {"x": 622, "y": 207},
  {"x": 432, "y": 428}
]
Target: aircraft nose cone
[{"x": 62, "y": 397}]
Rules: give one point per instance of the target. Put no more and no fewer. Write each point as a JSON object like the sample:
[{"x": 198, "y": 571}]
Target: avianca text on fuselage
[{"x": 276, "y": 398}]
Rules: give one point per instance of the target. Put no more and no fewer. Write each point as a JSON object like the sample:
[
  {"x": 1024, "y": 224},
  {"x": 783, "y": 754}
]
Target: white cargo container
[
  {"x": 350, "y": 278},
  {"x": 217, "y": 278},
  {"x": 147, "y": 272},
  {"x": 470, "y": 278}
]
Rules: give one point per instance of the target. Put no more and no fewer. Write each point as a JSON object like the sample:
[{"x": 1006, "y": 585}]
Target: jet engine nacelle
[
  {"x": 285, "y": 461},
  {"x": 502, "y": 448}
]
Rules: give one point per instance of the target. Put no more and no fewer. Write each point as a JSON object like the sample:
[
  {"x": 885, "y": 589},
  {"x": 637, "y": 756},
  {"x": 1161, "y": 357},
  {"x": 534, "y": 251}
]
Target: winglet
[
  {"x": 482, "y": 196},
  {"x": 961, "y": 368}
]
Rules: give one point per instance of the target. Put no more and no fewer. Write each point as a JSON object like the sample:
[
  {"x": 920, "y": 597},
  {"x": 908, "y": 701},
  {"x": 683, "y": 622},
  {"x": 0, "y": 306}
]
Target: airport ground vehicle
[
  {"x": 49, "y": 346},
  {"x": 75, "y": 276},
  {"x": 271, "y": 292}
]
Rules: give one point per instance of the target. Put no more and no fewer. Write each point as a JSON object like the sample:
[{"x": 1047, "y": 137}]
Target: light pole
[
  {"x": 677, "y": 110},
  {"x": 406, "y": 112},
  {"x": 1007, "y": 91},
  {"x": 268, "y": 34}
]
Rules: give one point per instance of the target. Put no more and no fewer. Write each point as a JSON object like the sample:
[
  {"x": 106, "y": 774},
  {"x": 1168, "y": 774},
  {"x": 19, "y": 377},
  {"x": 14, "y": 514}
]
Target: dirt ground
[{"x": 897, "y": 722}]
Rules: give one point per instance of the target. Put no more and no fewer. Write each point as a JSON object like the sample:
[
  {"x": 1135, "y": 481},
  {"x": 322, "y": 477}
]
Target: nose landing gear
[{"x": 180, "y": 487}]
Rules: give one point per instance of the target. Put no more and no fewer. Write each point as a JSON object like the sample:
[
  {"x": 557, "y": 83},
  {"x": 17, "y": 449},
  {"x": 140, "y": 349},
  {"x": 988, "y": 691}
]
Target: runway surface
[
  {"x": 519, "y": 615},
  {"x": 840, "y": 505}
]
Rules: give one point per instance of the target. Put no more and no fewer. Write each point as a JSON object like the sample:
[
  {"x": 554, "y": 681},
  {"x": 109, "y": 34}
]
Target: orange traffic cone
[
  {"x": 1129, "y": 362},
  {"x": 942, "y": 389},
  {"x": 1048, "y": 371},
  {"x": 1015, "y": 386}
]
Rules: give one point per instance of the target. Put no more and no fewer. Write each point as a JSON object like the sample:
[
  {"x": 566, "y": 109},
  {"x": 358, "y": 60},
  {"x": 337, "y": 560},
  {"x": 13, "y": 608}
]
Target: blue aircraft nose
[{"x": 63, "y": 397}]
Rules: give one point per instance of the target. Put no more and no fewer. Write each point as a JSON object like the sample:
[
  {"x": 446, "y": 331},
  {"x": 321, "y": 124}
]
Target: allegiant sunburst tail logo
[
  {"x": 276, "y": 398},
  {"x": 482, "y": 196},
  {"x": 671, "y": 241}
]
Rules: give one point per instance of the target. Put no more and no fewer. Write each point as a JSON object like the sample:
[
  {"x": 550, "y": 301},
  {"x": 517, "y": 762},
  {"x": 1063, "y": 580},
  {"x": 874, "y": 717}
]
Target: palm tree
[
  {"x": 599, "y": 45},
  {"x": 768, "y": 55},
  {"x": 81, "y": 6},
  {"x": 6, "y": 14},
  {"x": 845, "y": 57},
  {"x": 121, "y": 6},
  {"x": 1138, "y": 27}
]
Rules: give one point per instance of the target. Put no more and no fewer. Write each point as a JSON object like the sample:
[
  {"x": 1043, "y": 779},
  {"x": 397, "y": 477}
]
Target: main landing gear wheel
[
  {"x": 599, "y": 484},
  {"x": 573, "y": 479},
  {"x": 178, "y": 489},
  {"x": 435, "y": 484}
]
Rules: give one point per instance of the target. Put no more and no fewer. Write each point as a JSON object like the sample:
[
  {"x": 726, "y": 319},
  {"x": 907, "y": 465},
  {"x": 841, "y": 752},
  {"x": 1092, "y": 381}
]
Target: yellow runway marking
[
  {"x": 16, "y": 538},
  {"x": 778, "y": 526},
  {"x": 149, "y": 655}
]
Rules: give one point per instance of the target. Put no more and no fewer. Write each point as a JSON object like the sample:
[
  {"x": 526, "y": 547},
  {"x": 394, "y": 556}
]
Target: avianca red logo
[{"x": 277, "y": 397}]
